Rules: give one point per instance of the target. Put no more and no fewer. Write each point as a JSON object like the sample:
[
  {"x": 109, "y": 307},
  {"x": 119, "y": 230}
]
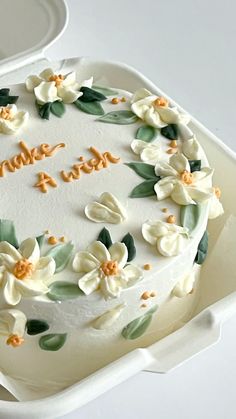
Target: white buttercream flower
[
  {"x": 108, "y": 209},
  {"x": 149, "y": 153},
  {"x": 106, "y": 270},
  {"x": 169, "y": 239},
  {"x": 49, "y": 87},
  {"x": 23, "y": 272},
  {"x": 11, "y": 120},
  {"x": 216, "y": 208},
  {"x": 154, "y": 110},
  {"x": 12, "y": 324},
  {"x": 180, "y": 184}
]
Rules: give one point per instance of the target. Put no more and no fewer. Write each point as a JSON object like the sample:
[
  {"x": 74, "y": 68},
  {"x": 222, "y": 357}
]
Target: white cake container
[{"x": 218, "y": 296}]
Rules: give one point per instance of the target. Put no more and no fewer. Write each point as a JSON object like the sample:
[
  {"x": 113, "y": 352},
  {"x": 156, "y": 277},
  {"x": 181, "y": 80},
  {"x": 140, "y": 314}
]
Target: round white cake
[{"x": 105, "y": 198}]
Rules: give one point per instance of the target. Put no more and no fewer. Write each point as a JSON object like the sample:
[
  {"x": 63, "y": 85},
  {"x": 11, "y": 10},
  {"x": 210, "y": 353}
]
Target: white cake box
[{"x": 25, "y": 55}]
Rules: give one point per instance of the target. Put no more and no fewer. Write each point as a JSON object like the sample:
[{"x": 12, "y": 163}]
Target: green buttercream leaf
[
  {"x": 146, "y": 171},
  {"x": 105, "y": 237},
  {"x": 8, "y": 100},
  {"x": 7, "y": 232},
  {"x": 53, "y": 341},
  {"x": 40, "y": 240},
  {"x": 4, "y": 92},
  {"x": 138, "y": 327},
  {"x": 93, "y": 108},
  {"x": 195, "y": 165},
  {"x": 34, "y": 326},
  {"x": 170, "y": 132},
  {"x": 202, "y": 249},
  {"x": 189, "y": 216},
  {"x": 61, "y": 290},
  {"x": 58, "y": 108},
  {"x": 144, "y": 189},
  {"x": 146, "y": 133},
  {"x": 119, "y": 117},
  {"x": 44, "y": 110},
  {"x": 61, "y": 254},
  {"x": 106, "y": 91},
  {"x": 128, "y": 240},
  {"x": 90, "y": 95}
]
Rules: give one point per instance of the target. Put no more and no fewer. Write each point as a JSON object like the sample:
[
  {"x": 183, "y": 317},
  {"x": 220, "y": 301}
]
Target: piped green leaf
[
  {"x": 138, "y": 327},
  {"x": 61, "y": 290},
  {"x": 90, "y": 95},
  {"x": 44, "y": 110},
  {"x": 170, "y": 132},
  {"x": 146, "y": 133},
  {"x": 189, "y": 216},
  {"x": 144, "y": 189},
  {"x": 52, "y": 341},
  {"x": 93, "y": 108},
  {"x": 7, "y": 232},
  {"x": 119, "y": 117},
  {"x": 106, "y": 91},
  {"x": 58, "y": 108},
  {"x": 105, "y": 237},
  {"x": 195, "y": 165},
  {"x": 128, "y": 240},
  {"x": 146, "y": 171},
  {"x": 61, "y": 254},
  {"x": 40, "y": 240},
  {"x": 34, "y": 326},
  {"x": 202, "y": 249}
]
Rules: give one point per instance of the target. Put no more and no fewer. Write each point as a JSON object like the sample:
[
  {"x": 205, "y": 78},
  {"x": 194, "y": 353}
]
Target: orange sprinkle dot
[
  {"x": 115, "y": 100},
  {"x": 217, "y": 192},
  {"x": 62, "y": 239},
  {"x": 143, "y": 305},
  {"x": 153, "y": 294},
  {"x": 123, "y": 99},
  {"x": 15, "y": 341},
  {"x": 164, "y": 209},
  {"x": 81, "y": 158},
  {"x": 145, "y": 295},
  {"x": 171, "y": 151},
  {"x": 171, "y": 219},
  {"x": 173, "y": 144},
  {"x": 147, "y": 267},
  {"x": 52, "y": 240}
]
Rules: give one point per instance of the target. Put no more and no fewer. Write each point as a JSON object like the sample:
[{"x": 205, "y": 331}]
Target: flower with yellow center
[
  {"x": 23, "y": 272},
  {"x": 155, "y": 110},
  {"x": 106, "y": 270},
  {"x": 12, "y": 325},
  {"x": 11, "y": 120},
  {"x": 50, "y": 87},
  {"x": 180, "y": 184}
]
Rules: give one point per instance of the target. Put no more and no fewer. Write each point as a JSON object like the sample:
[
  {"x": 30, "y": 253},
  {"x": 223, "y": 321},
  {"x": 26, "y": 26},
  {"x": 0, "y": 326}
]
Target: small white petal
[
  {"x": 90, "y": 282},
  {"x": 87, "y": 83},
  {"x": 32, "y": 82},
  {"x": 171, "y": 244},
  {"x": 185, "y": 285},
  {"x": 199, "y": 195},
  {"x": 179, "y": 163},
  {"x": 46, "y": 92},
  {"x": 203, "y": 178},
  {"x": 68, "y": 95},
  {"x": 10, "y": 293},
  {"x": 185, "y": 132},
  {"x": 7, "y": 248},
  {"x": 108, "y": 318},
  {"x": 133, "y": 274},
  {"x": 192, "y": 149},
  {"x": 216, "y": 208},
  {"x": 151, "y": 154},
  {"x": 70, "y": 79},
  {"x": 113, "y": 203},
  {"x": 12, "y": 322},
  {"x": 29, "y": 249},
  {"x": 85, "y": 262},
  {"x": 111, "y": 286},
  {"x": 151, "y": 230},
  {"x": 164, "y": 188},
  {"x": 44, "y": 269},
  {"x": 46, "y": 74},
  {"x": 101, "y": 214},
  {"x": 7, "y": 261},
  {"x": 181, "y": 194},
  {"x": 138, "y": 146},
  {"x": 119, "y": 253},
  {"x": 165, "y": 169},
  {"x": 31, "y": 287},
  {"x": 168, "y": 115},
  {"x": 99, "y": 250},
  {"x": 141, "y": 94},
  {"x": 153, "y": 118}
]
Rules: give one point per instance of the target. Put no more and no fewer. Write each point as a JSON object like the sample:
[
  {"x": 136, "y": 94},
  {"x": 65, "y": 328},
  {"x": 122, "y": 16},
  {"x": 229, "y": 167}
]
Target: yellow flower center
[
  {"x": 14, "y": 340},
  {"x": 110, "y": 267},
  {"x": 161, "y": 101},
  {"x": 6, "y": 113},
  {"x": 186, "y": 177},
  {"x": 58, "y": 78},
  {"x": 23, "y": 269},
  {"x": 217, "y": 192}
]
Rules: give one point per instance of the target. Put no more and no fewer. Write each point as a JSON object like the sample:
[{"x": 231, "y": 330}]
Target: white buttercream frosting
[
  {"x": 148, "y": 152},
  {"x": 169, "y": 239},
  {"x": 12, "y": 322},
  {"x": 14, "y": 122},
  {"x": 105, "y": 269},
  {"x": 216, "y": 208},
  {"x": 185, "y": 285},
  {"x": 108, "y": 209}
]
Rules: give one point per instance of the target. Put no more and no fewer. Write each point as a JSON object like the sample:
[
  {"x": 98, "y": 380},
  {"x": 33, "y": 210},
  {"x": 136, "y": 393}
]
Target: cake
[{"x": 105, "y": 198}]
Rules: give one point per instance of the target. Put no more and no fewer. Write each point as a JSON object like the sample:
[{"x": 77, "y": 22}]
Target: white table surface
[{"x": 187, "y": 47}]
